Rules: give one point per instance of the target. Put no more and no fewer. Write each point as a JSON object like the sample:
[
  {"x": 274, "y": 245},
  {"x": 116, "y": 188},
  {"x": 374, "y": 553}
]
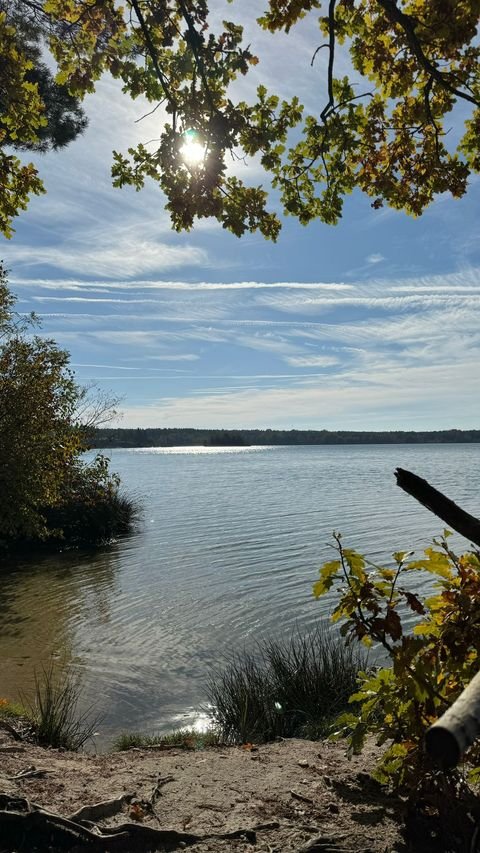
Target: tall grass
[
  {"x": 290, "y": 688},
  {"x": 94, "y": 517},
  {"x": 53, "y": 710}
]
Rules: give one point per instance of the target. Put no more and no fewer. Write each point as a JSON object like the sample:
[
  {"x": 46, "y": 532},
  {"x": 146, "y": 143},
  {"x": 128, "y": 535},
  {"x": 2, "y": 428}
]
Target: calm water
[{"x": 228, "y": 550}]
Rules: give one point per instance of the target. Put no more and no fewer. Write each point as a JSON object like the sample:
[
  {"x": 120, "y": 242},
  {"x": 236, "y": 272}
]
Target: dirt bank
[{"x": 281, "y": 796}]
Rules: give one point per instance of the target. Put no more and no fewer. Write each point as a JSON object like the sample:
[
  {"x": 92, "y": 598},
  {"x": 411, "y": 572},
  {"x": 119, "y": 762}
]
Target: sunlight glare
[{"x": 192, "y": 151}]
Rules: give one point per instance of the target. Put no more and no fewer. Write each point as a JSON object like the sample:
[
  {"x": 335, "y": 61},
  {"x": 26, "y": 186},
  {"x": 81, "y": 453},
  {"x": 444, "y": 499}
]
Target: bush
[
  {"x": 91, "y": 509},
  {"x": 434, "y": 655},
  {"x": 47, "y": 492},
  {"x": 292, "y": 688}
]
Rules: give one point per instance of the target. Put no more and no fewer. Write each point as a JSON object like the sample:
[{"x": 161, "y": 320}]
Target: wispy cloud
[
  {"x": 187, "y": 356},
  {"x": 126, "y": 253},
  {"x": 311, "y": 361},
  {"x": 380, "y": 401},
  {"x": 375, "y": 258},
  {"x": 96, "y": 286}
]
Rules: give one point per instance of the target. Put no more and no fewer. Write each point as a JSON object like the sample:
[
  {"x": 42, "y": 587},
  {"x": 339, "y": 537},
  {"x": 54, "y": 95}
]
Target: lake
[{"x": 228, "y": 549}]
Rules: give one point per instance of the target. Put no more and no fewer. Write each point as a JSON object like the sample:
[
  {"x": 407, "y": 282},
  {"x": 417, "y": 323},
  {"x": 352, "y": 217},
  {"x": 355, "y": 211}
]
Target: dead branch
[
  {"x": 453, "y": 515},
  {"x": 29, "y": 773},
  {"x": 10, "y": 729}
]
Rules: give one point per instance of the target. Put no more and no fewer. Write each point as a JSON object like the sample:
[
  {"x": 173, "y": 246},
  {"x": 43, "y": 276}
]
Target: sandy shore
[{"x": 284, "y": 796}]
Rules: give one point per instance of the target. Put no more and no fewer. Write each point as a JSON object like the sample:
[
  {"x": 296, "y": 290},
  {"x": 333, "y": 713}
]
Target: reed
[
  {"x": 290, "y": 688},
  {"x": 54, "y": 710}
]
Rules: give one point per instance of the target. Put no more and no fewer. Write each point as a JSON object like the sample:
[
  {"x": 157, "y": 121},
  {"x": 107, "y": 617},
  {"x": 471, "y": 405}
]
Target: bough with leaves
[{"x": 383, "y": 128}]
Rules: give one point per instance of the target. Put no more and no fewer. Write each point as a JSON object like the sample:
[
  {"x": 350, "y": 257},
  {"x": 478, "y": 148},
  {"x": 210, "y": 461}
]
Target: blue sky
[{"x": 372, "y": 324}]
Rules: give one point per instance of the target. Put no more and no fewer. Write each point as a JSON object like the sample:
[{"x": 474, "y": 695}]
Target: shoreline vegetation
[
  {"x": 110, "y": 437},
  {"x": 49, "y": 496},
  {"x": 89, "y": 520},
  {"x": 294, "y": 687}
]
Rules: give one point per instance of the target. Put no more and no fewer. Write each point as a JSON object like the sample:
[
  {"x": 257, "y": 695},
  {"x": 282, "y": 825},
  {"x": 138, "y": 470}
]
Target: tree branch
[
  {"x": 408, "y": 24},
  {"x": 457, "y": 728},
  {"x": 428, "y": 110},
  {"x": 152, "y": 51},
  {"x": 453, "y": 515},
  {"x": 331, "y": 59}
]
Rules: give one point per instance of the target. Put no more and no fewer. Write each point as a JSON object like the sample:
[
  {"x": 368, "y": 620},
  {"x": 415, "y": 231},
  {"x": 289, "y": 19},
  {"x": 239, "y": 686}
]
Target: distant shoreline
[{"x": 186, "y": 437}]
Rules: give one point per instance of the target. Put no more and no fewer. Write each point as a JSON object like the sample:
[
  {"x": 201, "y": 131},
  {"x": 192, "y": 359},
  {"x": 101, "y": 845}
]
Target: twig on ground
[
  {"x": 29, "y": 773},
  {"x": 301, "y": 797},
  {"x": 161, "y": 780}
]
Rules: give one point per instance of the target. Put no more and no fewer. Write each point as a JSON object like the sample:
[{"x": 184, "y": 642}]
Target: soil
[{"x": 291, "y": 794}]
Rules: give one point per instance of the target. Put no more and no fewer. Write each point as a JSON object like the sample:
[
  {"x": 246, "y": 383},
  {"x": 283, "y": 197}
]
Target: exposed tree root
[{"x": 27, "y": 828}]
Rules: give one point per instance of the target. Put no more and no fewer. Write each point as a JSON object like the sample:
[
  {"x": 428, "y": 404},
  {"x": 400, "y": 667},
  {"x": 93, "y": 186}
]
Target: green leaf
[
  {"x": 327, "y": 576},
  {"x": 401, "y": 556},
  {"x": 436, "y": 562}
]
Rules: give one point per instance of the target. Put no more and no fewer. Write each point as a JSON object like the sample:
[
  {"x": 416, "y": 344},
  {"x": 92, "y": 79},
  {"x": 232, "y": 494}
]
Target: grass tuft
[
  {"x": 11, "y": 710},
  {"x": 53, "y": 711},
  {"x": 290, "y": 688},
  {"x": 181, "y": 738}
]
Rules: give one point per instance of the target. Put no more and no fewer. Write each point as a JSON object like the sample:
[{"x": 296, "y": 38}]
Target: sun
[{"x": 193, "y": 151}]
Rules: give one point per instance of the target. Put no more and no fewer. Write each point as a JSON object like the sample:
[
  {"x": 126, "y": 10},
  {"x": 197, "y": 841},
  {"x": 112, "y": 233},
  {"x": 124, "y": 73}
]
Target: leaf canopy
[{"x": 382, "y": 129}]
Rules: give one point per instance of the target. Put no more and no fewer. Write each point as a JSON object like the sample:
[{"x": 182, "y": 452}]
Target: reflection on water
[
  {"x": 39, "y": 605},
  {"x": 230, "y": 545},
  {"x": 200, "y": 450}
]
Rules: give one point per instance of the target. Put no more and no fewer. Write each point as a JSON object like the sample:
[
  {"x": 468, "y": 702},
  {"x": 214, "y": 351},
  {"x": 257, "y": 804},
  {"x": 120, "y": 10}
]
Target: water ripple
[{"x": 230, "y": 546}]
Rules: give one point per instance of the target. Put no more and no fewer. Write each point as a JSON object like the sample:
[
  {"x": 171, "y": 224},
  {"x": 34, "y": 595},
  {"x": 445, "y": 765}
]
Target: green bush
[
  {"x": 91, "y": 508},
  {"x": 47, "y": 492},
  {"x": 292, "y": 688},
  {"x": 434, "y": 653}
]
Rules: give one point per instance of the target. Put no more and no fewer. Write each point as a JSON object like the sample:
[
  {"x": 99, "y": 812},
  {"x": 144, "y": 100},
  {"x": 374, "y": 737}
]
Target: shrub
[
  {"x": 432, "y": 660},
  {"x": 91, "y": 508},
  {"x": 47, "y": 492},
  {"x": 292, "y": 688}
]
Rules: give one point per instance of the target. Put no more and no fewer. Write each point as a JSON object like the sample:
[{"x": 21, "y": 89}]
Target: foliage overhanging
[{"x": 381, "y": 128}]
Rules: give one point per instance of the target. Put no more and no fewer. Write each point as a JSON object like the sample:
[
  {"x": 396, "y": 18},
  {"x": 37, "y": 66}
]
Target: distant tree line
[{"x": 174, "y": 437}]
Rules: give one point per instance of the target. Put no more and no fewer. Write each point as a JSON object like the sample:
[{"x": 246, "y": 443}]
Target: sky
[{"x": 369, "y": 325}]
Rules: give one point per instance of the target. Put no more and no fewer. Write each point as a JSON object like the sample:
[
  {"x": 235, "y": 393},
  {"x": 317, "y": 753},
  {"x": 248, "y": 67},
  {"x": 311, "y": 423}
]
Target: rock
[{"x": 303, "y": 763}]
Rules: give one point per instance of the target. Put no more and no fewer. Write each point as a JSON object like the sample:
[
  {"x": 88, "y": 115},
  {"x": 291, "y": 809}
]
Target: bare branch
[
  {"x": 315, "y": 54},
  {"x": 428, "y": 110},
  {"x": 149, "y": 113},
  {"x": 453, "y": 515},
  {"x": 95, "y": 407},
  {"x": 331, "y": 59}
]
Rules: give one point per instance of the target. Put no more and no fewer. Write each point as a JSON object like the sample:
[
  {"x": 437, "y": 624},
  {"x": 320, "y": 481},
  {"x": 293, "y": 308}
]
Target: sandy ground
[{"x": 291, "y": 793}]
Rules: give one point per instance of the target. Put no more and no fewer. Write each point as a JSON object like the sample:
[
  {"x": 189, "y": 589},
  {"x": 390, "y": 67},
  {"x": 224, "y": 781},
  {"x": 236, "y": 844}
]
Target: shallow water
[{"x": 229, "y": 547}]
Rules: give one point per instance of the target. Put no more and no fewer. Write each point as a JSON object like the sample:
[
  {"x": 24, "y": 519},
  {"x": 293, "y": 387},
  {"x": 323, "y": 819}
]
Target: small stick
[{"x": 301, "y": 797}]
